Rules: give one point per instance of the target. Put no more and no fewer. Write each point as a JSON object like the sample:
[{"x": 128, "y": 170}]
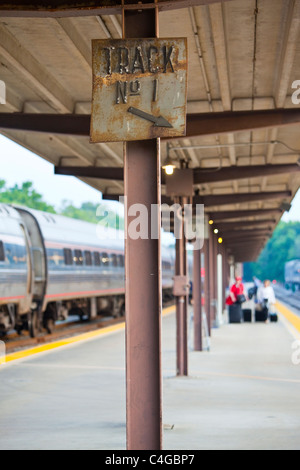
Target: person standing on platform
[
  {"x": 237, "y": 291},
  {"x": 266, "y": 297},
  {"x": 235, "y": 299},
  {"x": 257, "y": 285}
]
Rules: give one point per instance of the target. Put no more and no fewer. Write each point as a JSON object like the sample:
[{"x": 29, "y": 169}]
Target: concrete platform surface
[{"x": 243, "y": 394}]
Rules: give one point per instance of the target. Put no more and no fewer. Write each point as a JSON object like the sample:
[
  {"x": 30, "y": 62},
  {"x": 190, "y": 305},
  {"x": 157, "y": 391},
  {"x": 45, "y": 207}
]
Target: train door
[
  {"x": 29, "y": 269},
  {"x": 38, "y": 266}
]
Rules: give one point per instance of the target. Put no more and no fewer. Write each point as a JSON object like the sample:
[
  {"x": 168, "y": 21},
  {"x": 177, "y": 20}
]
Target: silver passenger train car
[
  {"x": 292, "y": 274},
  {"x": 53, "y": 266}
]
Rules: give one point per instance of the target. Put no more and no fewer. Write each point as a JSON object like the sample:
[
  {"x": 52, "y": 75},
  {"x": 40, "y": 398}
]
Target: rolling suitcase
[
  {"x": 235, "y": 313},
  {"x": 247, "y": 314},
  {"x": 261, "y": 315},
  {"x": 273, "y": 317}
]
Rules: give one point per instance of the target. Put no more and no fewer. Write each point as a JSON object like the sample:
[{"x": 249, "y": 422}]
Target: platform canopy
[{"x": 243, "y": 60}]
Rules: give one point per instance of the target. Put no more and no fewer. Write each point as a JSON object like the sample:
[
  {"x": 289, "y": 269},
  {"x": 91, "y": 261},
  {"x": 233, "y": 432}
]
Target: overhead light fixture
[
  {"x": 216, "y": 231},
  {"x": 220, "y": 240},
  {"x": 211, "y": 222},
  {"x": 169, "y": 168},
  {"x": 170, "y": 164}
]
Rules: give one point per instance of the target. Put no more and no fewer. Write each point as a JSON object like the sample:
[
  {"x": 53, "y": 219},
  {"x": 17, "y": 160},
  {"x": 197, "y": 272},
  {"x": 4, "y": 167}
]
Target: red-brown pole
[
  {"x": 225, "y": 275},
  {"x": 142, "y": 169},
  {"x": 212, "y": 276},
  {"x": 181, "y": 308},
  {"x": 197, "y": 298},
  {"x": 215, "y": 255},
  {"x": 207, "y": 284}
]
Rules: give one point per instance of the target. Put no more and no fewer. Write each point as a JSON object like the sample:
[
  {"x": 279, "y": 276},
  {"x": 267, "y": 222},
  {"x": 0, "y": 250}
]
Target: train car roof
[
  {"x": 7, "y": 210},
  {"x": 58, "y": 228}
]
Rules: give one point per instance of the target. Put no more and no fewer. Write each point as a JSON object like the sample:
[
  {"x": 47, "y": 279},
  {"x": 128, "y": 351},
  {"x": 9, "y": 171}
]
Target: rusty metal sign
[{"x": 139, "y": 89}]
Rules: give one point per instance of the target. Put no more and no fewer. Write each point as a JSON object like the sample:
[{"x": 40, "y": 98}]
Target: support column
[
  {"x": 142, "y": 170},
  {"x": 216, "y": 279},
  {"x": 219, "y": 316},
  {"x": 226, "y": 275},
  {"x": 197, "y": 298},
  {"x": 212, "y": 277},
  {"x": 207, "y": 294},
  {"x": 181, "y": 308},
  {"x": 232, "y": 273}
]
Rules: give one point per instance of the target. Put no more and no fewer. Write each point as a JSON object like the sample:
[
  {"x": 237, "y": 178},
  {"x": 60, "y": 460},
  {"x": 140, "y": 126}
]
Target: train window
[
  {"x": 68, "y": 257},
  {"x": 78, "y": 257},
  {"x": 114, "y": 260},
  {"x": 105, "y": 259},
  {"x": 88, "y": 258},
  {"x": 97, "y": 259},
  {"x": 2, "y": 254},
  {"x": 121, "y": 261}
]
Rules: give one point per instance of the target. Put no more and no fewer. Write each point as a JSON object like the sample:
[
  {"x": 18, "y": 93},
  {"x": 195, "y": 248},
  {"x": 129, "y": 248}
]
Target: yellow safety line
[
  {"x": 75, "y": 339},
  {"x": 64, "y": 342},
  {"x": 168, "y": 310},
  {"x": 290, "y": 316}
]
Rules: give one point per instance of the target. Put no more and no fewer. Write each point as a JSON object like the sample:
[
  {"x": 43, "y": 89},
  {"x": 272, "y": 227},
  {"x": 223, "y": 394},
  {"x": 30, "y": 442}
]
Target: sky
[{"x": 19, "y": 165}]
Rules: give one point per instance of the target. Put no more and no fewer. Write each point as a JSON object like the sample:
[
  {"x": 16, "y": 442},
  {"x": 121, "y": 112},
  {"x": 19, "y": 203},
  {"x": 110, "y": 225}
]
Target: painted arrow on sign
[{"x": 158, "y": 121}]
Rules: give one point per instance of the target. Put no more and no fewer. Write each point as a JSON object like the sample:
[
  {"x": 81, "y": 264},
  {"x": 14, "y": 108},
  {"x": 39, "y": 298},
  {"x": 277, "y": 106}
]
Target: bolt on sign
[{"x": 139, "y": 89}]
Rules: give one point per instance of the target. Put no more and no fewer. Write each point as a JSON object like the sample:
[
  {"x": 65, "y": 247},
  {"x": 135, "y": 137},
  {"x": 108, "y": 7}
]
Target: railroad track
[
  {"x": 62, "y": 330},
  {"x": 15, "y": 343},
  {"x": 289, "y": 297}
]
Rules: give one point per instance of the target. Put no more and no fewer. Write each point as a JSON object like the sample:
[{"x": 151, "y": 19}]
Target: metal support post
[
  {"x": 181, "y": 311},
  {"x": 226, "y": 275},
  {"x": 232, "y": 274},
  {"x": 197, "y": 298},
  {"x": 212, "y": 277},
  {"x": 207, "y": 285},
  {"x": 142, "y": 169},
  {"x": 219, "y": 316},
  {"x": 181, "y": 292},
  {"x": 216, "y": 281}
]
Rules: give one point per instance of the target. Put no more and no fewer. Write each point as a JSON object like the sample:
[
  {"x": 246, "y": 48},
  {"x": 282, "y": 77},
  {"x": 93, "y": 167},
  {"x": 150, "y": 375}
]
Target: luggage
[
  {"x": 261, "y": 315},
  {"x": 273, "y": 317},
  {"x": 235, "y": 313},
  {"x": 251, "y": 292},
  {"x": 241, "y": 299},
  {"x": 247, "y": 314}
]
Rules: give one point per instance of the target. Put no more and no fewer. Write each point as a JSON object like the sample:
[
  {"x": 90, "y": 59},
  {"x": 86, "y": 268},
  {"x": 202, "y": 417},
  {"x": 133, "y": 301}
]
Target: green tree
[
  {"x": 284, "y": 246},
  {"x": 94, "y": 213},
  {"x": 24, "y": 195}
]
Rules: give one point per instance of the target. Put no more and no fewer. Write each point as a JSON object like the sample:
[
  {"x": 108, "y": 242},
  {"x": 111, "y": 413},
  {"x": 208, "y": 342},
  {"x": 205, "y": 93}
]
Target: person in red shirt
[{"x": 236, "y": 290}]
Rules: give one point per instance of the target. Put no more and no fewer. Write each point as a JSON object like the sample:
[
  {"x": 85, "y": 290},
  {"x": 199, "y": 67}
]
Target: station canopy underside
[{"x": 243, "y": 55}]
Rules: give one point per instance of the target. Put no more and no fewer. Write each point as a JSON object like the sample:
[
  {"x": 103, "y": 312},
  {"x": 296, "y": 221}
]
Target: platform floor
[{"x": 243, "y": 394}]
